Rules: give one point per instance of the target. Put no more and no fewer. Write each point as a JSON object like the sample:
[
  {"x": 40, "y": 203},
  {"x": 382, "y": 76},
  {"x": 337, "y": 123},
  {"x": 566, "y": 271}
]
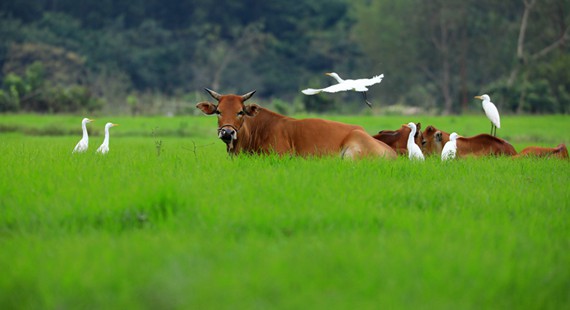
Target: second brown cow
[
  {"x": 398, "y": 139},
  {"x": 535, "y": 151},
  {"x": 479, "y": 145}
]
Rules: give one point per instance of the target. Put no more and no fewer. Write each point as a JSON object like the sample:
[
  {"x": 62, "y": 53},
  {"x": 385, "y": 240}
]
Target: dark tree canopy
[{"x": 435, "y": 55}]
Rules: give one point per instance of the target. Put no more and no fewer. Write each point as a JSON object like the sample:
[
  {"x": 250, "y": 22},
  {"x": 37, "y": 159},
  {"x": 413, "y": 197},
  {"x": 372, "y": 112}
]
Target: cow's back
[
  {"x": 483, "y": 145},
  {"x": 317, "y": 136},
  {"x": 560, "y": 151},
  {"x": 271, "y": 132}
]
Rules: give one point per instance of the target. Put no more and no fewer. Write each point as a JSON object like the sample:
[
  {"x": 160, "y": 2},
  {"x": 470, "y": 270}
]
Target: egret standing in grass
[
  {"x": 450, "y": 148},
  {"x": 104, "y": 148},
  {"x": 414, "y": 151},
  {"x": 359, "y": 85},
  {"x": 83, "y": 144},
  {"x": 491, "y": 112}
]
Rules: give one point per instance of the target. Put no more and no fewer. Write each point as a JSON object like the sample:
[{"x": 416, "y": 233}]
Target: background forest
[{"x": 155, "y": 57}]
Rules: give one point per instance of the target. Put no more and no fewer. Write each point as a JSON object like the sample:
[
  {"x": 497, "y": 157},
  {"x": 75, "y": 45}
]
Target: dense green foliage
[
  {"x": 439, "y": 54},
  {"x": 436, "y": 55},
  {"x": 193, "y": 228}
]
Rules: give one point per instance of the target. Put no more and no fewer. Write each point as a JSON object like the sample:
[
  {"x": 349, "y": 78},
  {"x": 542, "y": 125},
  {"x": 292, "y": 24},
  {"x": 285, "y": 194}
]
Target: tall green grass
[{"x": 194, "y": 228}]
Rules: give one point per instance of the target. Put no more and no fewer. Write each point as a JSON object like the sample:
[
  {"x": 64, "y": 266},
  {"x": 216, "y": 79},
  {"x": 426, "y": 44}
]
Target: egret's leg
[
  {"x": 366, "y": 100},
  {"x": 491, "y": 129}
]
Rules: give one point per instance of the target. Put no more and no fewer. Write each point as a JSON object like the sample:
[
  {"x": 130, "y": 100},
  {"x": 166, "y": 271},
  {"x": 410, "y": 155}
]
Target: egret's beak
[
  {"x": 328, "y": 73},
  {"x": 477, "y": 97},
  {"x": 115, "y": 125},
  {"x": 91, "y": 120},
  {"x": 405, "y": 125}
]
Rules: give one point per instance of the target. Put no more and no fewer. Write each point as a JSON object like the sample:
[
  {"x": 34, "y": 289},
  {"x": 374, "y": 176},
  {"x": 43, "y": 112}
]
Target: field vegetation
[{"x": 168, "y": 220}]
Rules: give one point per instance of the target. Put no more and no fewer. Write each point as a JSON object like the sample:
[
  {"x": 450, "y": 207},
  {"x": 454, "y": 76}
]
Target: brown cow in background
[
  {"x": 479, "y": 145},
  {"x": 534, "y": 151},
  {"x": 398, "y": 139},
  {"x": 433, "y": 140},
  {"x": 253, "y": 129}
]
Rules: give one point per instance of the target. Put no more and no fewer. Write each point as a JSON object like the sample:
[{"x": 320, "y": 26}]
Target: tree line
[{"x": 71, "y": 56}]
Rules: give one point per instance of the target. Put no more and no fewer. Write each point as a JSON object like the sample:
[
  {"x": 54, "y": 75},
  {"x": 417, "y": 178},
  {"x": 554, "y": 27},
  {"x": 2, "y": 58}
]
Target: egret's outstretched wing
[
  {"x": 331, "y": 89},
  {"x": 374, "y": 80},
  {"x": 339, "y": 87}
]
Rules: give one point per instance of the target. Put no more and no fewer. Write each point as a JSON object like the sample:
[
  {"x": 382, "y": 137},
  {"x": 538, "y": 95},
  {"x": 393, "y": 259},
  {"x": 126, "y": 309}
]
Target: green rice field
[{"x": 167, "y": 220}]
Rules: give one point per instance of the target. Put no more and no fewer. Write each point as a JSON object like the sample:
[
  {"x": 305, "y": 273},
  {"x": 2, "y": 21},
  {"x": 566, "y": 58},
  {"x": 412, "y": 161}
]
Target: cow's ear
[
  {"x": 418, "y": 126},
  {"x": 207, "y": 108},
  {"x": 251, "y": 109},
  {"x": 438, "y": 136},
  {"x": 429, "y": 128}
]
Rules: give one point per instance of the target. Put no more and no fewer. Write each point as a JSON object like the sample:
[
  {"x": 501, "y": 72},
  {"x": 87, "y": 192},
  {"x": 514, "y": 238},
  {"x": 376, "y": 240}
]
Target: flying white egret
[
  {"x": 359, "y": 85},
  {"x": 104, "y": 148},
  {"x": 491, "y": 112},
  {"x": 414, "y": 151},
  {"x": 83, "y": 144},
  {"x": 450, "y": 148}
]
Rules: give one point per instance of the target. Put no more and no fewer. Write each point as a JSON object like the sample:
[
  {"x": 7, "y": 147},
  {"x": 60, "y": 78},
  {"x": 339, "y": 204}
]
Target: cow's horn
[
  {"x": 213, "y": 94},
  {"x": 248, "y": 95}
]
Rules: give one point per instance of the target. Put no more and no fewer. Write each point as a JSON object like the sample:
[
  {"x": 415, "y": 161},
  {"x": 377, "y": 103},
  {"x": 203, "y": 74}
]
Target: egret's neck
[
  {"x": 411, "y": 136},
  {"x": 106, "y": 140},
  {"x": 84, "y": 127},
  {"x": 337, "y": 78}
]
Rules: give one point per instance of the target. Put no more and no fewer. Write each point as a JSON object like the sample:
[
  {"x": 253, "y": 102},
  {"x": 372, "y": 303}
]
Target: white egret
[
  {"x": 359, "y": 85},
  {"x": 104, "y": 148},
  {"x": 450, "y": 148},
  {"x": 83, "y": 144},
  {"x": 491, "y": 112},
  {"x": 414, "y": 151}
]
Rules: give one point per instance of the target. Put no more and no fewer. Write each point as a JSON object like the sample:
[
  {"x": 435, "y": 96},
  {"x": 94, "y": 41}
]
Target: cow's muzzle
[{"x": 227, "y": 133}]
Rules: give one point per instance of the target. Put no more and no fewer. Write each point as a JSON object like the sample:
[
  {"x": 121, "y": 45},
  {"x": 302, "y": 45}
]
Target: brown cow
[
  {"x": 433, "y": 140},
  {"x": 479, "y": 145},
  {"x": 253, "y": 129},
  {"x": 398, "y": 139},
  {"x": 559, "y": 152}
]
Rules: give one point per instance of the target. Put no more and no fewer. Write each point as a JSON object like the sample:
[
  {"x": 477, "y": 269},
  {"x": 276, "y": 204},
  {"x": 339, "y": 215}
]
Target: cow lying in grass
[
  {"x": 398, "y": 139},
  {"x": 256, "y": 130},
  {"x": 479, "y": 145},
  {"x": 534, "y": 151}
]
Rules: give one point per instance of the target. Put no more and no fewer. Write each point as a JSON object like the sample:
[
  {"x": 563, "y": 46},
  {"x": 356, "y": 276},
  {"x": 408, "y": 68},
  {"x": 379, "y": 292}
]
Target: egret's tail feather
[{"x": 310, "y": 91}]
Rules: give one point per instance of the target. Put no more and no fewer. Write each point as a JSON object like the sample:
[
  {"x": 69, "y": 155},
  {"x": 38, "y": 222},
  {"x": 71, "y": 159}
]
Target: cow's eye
[
  {"x": 218, "y": 112},
  {"x": 241, "y": 113},
  {"x": 424, "y": 142}
]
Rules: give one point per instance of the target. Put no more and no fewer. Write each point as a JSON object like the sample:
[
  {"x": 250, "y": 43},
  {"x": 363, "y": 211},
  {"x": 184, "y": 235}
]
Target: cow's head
[
  {"x": 433, "y": 140},
  {"x": 231, "y": 112}
]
